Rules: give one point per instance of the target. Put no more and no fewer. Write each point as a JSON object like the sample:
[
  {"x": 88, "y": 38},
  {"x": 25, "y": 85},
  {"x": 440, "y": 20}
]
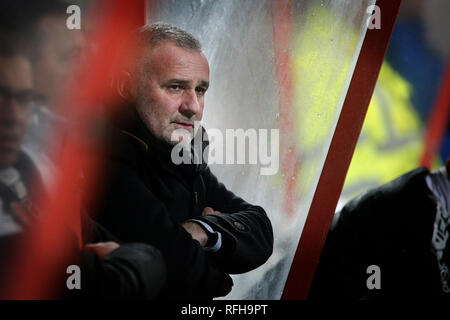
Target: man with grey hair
[{"x": 203, "y": 230}]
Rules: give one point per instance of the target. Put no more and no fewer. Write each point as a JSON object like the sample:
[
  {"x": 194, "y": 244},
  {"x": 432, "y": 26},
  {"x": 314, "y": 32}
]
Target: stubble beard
[{"x": 167, "y": 133}]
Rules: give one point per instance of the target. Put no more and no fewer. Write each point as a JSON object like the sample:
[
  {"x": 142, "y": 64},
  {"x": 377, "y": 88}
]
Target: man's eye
[
  {"x": 175, "y": 87},
  {"x": 200, "y": 90}
]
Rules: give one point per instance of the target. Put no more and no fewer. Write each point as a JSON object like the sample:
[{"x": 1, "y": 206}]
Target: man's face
[
  {"x": 171, "y": 89},
  {"x": 57, "y": 54},
  {"x": 16, "y": 97}
]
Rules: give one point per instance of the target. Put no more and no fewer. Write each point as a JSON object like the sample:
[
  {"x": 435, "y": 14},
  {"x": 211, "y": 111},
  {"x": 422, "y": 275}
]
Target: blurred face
[
  {"x": 16, "y": 97},
  {"x": 58, "y": 52},
  {"x": 170, "y": 90}
]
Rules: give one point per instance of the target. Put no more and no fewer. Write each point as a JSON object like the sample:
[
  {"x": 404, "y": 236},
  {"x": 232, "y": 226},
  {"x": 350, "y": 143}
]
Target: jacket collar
[{"x": 156, "y": 149}]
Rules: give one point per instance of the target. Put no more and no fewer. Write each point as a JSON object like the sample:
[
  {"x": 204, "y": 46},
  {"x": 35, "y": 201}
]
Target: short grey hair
[
  {"x": 148, "y": 37},
  {"x": 157, "y": 33}
]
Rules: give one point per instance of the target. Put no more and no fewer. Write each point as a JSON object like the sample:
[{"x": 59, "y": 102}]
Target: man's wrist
[
  {"x": 196, "y": 231},
  {"x": 214, "y": 241}
]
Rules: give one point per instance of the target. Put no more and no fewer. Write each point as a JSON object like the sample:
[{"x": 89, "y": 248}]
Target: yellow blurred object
[
  {"x": 323, "y": 57},
  {"x": 391, "y": 142}
]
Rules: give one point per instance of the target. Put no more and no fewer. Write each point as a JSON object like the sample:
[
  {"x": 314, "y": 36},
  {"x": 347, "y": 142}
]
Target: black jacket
[
  {"x": 147, "y": 198},
  {"x": 390, "y": 226}
]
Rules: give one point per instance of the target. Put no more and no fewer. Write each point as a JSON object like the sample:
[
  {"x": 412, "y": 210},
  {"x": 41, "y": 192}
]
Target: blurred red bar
[
  {"x": 340, "y": 153},
  {"x": 438, "y": 122},
  {"x": 282, "y": 41},
  {"x": 40, "y": 260}
]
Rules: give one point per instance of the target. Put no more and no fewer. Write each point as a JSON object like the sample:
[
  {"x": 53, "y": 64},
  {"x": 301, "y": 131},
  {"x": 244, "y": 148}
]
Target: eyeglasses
[{"x": 26, "y": 98}]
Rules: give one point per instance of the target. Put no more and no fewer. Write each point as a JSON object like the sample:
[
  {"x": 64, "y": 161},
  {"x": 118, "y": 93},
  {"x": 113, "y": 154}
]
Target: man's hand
[
  {"x": 209, "y": 210},
  {"x": 196, "y": 230},
  {"x": 102, "y": 249}
]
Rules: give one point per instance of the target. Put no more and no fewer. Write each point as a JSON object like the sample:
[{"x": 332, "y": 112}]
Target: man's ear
[{"x": 124, "y": 85}]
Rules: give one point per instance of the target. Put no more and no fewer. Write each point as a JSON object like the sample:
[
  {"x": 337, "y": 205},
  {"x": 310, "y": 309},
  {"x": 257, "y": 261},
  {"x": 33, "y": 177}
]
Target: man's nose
[{"x": 190, "y": 104}]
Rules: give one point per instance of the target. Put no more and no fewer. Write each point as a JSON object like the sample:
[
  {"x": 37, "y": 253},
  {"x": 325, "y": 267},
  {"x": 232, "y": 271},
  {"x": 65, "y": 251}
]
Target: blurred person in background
[
  {"x": 17, "y": 97},
  {"x": 109, "y": 269},
  {"x": 55, "y": 51},
  {"x": 409, "y": 81},
  {"x": 401, "y": 228},
  {"x": 419, "y": 50}
]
